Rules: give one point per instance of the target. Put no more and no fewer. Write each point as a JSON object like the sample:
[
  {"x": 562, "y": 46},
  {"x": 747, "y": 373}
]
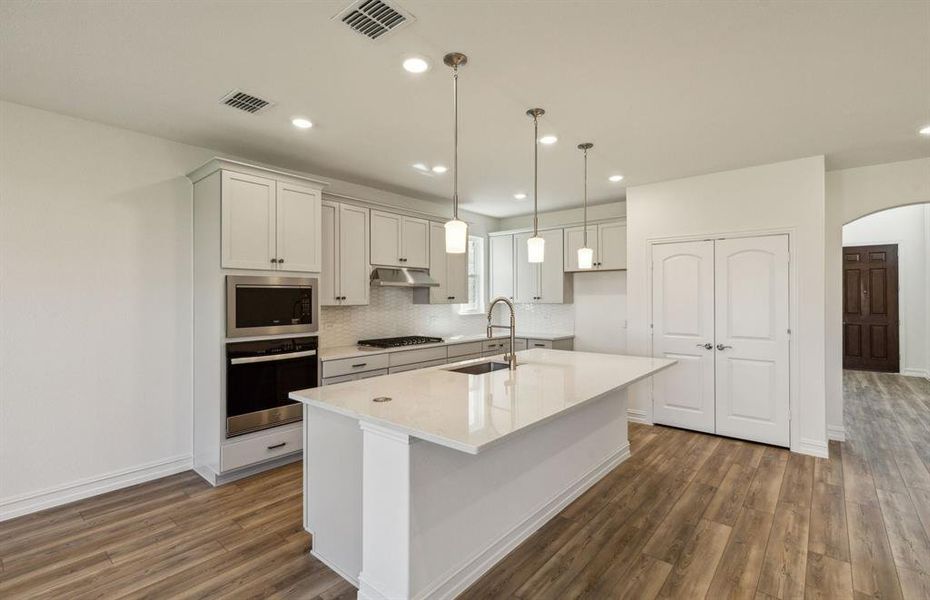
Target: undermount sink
[{"x": 480, "y": 368}]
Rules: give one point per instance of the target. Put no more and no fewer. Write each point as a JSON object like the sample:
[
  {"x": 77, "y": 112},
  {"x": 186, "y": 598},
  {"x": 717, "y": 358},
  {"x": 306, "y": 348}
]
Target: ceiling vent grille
[
  {"x": 247, "y": 102},
  {"x": 374, "y": 18}
]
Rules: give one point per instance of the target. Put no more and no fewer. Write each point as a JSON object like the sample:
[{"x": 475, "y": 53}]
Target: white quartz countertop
[
  {"x": 469, "y": 413},
  {"x": 337, "y": 352}
]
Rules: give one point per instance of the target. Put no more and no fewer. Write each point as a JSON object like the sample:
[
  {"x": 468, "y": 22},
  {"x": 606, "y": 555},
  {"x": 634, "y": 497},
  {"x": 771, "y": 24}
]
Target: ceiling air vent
[
  {"x": 374, "y": 18},
  {"x": 247, "y": 102}
]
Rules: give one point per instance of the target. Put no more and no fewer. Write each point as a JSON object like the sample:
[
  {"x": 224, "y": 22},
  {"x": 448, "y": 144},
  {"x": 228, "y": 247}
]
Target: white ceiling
[{"x": 663, "y": 89}]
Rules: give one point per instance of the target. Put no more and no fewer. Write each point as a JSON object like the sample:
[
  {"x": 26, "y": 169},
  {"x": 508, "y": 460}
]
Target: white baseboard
[
  {"x": 836, "y": 433},
  {"x": 335, "y": 568},
  {"x": 916, "y": 373},
  {"x": 636, "y": 415},
  {"x": 458, "y": 579},
  {"x": 92, "y": 486},
  {"x": 813, "y": 448}
]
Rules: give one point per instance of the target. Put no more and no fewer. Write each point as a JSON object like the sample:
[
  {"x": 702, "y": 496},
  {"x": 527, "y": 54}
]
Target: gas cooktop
[{"x": 397, "y": 342}]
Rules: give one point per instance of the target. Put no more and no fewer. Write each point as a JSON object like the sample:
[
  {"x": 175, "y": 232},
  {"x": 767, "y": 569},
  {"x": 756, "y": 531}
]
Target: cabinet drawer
[
  {"x": 415, "y": 366},
  {"x": 408, "y": 357},
  {"x": 519, "y": 344},
  {"x": 265, "y": 446},
  {"x": 499, "y": 345},
  {"x": 338, "y": 379},
  {"x": 358, "y": 364},
  {"x": 455, "y": 359},
  {"x": 464, "y": 349},
  {"x": 370, "y": 374},
  {"x": 531, "y": 343}
]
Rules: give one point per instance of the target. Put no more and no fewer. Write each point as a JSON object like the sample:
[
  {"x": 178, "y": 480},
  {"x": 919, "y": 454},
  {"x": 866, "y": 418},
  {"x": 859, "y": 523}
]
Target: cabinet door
[
  {"x": 526, "y": 274},
  {"x": 574, "y": 239},
  {"x": 457, "y": 277},
  {"x": 438, "y": 266},
  {"x": 248, "y": 207},
  {"x": 354, "y": 285},
  {"x": 298, "y": 232},
  {"x": 385, "y": 239},
  {"x": 329, "y": 254},
  {"x": 501, "y": 266},
  {"x": 552, "y": 269},
  {"x": 611, "y": 248},
  {"x": 415, "y": 243}
]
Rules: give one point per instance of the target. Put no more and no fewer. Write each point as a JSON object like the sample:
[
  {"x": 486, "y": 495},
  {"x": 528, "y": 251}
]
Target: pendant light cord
[
  {"x": 455, "y": 143},
  {"x": 535, "y": 176},
  {"x": 585, "y": 197}
]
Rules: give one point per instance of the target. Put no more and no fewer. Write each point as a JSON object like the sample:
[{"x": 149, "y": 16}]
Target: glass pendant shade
[
  {"x": 535, "y": 249},
  {"x": 456, "y": 236},
  {"x": 585, "y": 258}
]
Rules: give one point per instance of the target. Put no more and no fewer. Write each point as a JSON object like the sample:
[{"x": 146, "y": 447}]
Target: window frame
[{"x": 476, "y": 305}]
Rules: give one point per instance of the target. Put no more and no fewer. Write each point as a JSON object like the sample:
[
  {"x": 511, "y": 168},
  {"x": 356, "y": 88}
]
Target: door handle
[
  {"x": 722, "y": 347},
  {"x": 707, "y": 346}
]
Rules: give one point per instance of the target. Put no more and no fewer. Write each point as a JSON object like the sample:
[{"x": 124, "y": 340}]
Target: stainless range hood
[{"x": 402, "y": 277}]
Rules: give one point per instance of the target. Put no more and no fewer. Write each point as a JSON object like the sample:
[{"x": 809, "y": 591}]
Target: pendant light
[
  {"x": 535, "y": 246},
  {"x": 456, "y": 230},
  {"x": 585, "y": 254}
]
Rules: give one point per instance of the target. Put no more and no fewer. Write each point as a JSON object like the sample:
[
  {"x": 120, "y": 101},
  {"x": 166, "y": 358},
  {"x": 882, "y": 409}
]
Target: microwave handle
[{"x": 258, "y": 359}]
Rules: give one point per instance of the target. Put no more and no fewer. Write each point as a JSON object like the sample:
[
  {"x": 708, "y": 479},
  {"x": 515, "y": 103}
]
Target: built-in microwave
[{"x": 271, "y": 305}]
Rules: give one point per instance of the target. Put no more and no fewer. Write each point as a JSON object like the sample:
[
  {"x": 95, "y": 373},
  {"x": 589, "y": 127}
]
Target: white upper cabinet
[
  {"x": 344, "y": 278},
  {"x": 354, "y": 285},
  {"x": 450, "y": 270},
  {"x": 385, "y": 238},
  {"x": 611, "y": 245},
  {"x": 574, "y": 239},
  {"x": 298, "y": 217},
  {"x": 399, "y": 241},
  {"x": 269, "y": 224},
  {"x": 415, "y": 242},
  {"x": 501, "y": 266},
  {"x": 248, "y": 222},
  {"x": 607, "y": 240},
  {"x": 545, "y": 282}
]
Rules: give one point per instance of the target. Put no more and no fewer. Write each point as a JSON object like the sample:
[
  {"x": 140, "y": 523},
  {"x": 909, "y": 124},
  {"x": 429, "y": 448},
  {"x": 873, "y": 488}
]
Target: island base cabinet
[{"x": 404, "y": 528}]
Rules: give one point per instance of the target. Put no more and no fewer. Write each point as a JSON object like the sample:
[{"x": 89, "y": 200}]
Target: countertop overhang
[{"x": 471, "y": 413}]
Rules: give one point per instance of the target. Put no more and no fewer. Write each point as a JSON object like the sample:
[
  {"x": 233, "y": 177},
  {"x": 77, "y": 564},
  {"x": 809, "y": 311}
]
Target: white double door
[{"x": 720, "y": 308}]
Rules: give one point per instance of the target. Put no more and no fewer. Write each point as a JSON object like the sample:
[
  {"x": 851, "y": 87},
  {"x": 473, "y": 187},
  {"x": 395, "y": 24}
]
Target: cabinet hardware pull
[
  {"x": 540, "y": 345},
  {"x": 276, "y": 446},
  {"x": 359, "y": 365}
]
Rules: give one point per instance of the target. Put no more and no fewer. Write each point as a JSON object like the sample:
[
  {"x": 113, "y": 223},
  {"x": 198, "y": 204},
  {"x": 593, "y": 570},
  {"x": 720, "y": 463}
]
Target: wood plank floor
[{"x": 688, "y": 516}]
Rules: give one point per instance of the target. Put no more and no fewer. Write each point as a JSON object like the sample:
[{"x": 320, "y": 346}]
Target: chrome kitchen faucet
[{"x": 512, "y": 357}]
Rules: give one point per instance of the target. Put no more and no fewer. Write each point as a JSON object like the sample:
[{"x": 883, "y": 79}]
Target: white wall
[
  {"x": 905, "y": 226},
  {"x": 569, "y": 216},
  {"x": 851, "y": 194},
  {"x": 96, "y": 307},
  {"x": 781, "y": 196}
]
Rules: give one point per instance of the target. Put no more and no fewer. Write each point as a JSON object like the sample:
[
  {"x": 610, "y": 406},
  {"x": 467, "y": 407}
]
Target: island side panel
[
  {"x": 333, "y": 489},
  {"x": 468, "y": 511}
]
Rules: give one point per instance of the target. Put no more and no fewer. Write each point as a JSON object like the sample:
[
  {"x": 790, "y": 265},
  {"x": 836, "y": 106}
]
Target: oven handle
[{"x": 258, "y": 359}]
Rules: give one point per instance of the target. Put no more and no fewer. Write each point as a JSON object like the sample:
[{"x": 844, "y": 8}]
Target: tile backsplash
[{"x": 393, "y": 313}]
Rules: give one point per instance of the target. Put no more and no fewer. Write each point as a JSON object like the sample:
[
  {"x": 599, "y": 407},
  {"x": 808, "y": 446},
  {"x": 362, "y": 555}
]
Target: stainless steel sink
[{"x": 480, "y": 368}]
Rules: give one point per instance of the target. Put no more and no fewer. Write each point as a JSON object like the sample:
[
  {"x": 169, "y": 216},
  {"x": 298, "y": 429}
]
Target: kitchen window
[{"x": 475, "y": 264}]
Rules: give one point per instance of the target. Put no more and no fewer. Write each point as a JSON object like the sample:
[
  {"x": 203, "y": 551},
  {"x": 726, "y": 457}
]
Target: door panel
[
  {"x": 329, "y": 231},
  {"x": 870, "y": 308},
  {"x": 248, "y": 222},
  {"x": 298, "y": 232},
  {"x": 683, "y": 322},
  {"x": 354, "y": 285},
  {"x": 611, "y": 239},
  {"x": 552, "y": 269},
  {"x": 415, "y": 243},
  {"x": 574, "y": 239},
  {"x": 385, "y": 239},
  {"x": 457, "y": 277},
  {"x": 751, "y": 289},
  {"x": 526, "y": 278}
]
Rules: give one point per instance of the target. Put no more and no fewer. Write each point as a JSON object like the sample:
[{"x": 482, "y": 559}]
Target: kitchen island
[{"x": 417, "y": 483}]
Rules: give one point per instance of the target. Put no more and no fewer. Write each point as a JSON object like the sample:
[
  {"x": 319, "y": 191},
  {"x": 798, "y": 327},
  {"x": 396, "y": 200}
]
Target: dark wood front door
[{"x": 870, "y": 308}]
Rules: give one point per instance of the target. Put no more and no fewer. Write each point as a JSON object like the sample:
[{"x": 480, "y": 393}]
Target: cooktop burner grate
[{"x": 396, "y": 342}]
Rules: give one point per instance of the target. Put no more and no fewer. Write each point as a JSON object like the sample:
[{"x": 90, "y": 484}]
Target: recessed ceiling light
[
  {"x": 924, "y": 130},
  {"x": 548, "y": 139},
  {"x": 420, "y": 167},
  {"x": 520, "y": 196},
  {"x": 301, "y": 123},
  {"x": 615, "y": 178},
  {"x": 439, "y": 169},
  {"x": 415, "y": 64}
]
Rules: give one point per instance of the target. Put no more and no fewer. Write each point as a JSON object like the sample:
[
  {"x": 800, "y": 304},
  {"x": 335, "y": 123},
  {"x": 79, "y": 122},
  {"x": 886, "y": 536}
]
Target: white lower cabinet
[
  {"x": 415, "y": 366},
  {"x": 353, "y": 377},
  {"x": 260, "y": 447}
]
